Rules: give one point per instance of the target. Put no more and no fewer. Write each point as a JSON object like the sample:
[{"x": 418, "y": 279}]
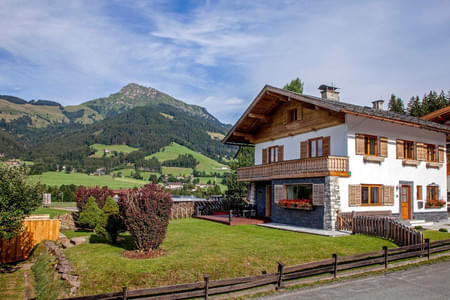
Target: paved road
[{"x": 425, "y": 282}]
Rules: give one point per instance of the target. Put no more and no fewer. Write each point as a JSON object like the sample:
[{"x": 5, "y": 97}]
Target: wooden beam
[
  {"x": 279, "y": 97},
  {"x": 262, "y": 117},
  {"x": 248, "y": 136}
]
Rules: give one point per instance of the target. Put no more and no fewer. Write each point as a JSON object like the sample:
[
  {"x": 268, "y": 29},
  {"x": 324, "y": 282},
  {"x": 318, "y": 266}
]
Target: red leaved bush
[
  {"x": 100, "y": 194},
  {"x": 145, "y": 213}
]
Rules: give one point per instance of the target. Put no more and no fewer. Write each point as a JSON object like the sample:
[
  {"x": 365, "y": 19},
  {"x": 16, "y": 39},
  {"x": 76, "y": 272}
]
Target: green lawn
[
  {"x": 172, "y": 151},
  {"x": 63, "y": 204},
  {"x": 117, "y": 148},
  {"x": 175, "y": 171},
  {"x": 60, "y": 178},
  {"x": 127, "y": 173},
  {"x": 435, "y": 235},
  {"x": 50, "y": 211},
  {"x": 12, "y": 285},
  {"x": 196, "y": 247},
  {"x": 76, "y": 233}
]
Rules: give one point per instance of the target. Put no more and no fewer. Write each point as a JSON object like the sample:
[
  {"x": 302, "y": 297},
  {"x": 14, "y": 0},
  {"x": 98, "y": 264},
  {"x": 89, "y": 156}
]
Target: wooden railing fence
[
  {"x": 285, "y": 273},
  {"x": 387, "y": 228}
]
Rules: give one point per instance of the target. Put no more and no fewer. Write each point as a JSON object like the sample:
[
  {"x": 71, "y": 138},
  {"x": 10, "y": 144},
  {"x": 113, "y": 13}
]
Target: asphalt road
[{"x": 425, "y": 282}]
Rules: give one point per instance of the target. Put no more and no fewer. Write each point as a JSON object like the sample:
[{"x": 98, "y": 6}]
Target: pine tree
[
  {"x": 396, "y": 104},
  {"x": 295, "y": 85},
  {"x": 414, "y": 107}
]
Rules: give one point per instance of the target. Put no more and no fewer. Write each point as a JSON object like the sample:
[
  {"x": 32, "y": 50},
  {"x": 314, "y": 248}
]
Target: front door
[
  {"x": 269, "y": 200},
  {"x": 405, "y": 202}
]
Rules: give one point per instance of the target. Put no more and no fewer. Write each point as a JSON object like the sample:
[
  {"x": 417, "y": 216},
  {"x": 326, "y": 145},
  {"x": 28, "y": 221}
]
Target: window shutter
[
  {"x": 281, "y": 153},
  {"x": 388, "y": 195},
  {"x": 318, "y": 194},
  {"x": 326, "y": 146},
  {"x": 421, "y": 152},
  {"x": 400, "y": 149},
  {"x": 383, "y": 147},
  {"x": 278, "y": 192},
  {"x": 359, "y": 142},
  {"x": 264, "y": 156},
  {"x": 354, "y": 195},
  {"x": 441, "y": 154},
  {"x": 304, "y": 149}
]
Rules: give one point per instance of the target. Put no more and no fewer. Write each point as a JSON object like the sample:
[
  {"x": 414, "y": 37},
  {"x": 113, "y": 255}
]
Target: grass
[
  {"x": 52, "y": 212},
  {"x": 175, "y": 171},
  {"x": 196, "y": 247},
  {"x": 435, "y": 235},
  {"x": 12, "y": 285},
  {"x": 63, "y": 204},
  {"x": 48, "y": 286},
  {"x": 172, "y": 151},
  {"x": 127, "y": 173},
  {"x": 60, "y": 178},
  {"x": 117, "y": 148},
  {"x": 76, "y": 233}
]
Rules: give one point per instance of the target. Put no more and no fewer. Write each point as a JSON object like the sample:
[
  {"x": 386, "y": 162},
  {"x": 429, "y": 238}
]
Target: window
[
  {"x": 408, "y": 150},
  {"x": 419, "y": 192},
  {"x": 273, "y": 154},
  {"x": 292, "y": 115},
  {"x": 370, "y": 194},
  {"x": 432, "y": 192},
  {"x": 370, "y": 145},
  {"x": 315, "y": 147},
  {"x": 299, "y": 191},
  {"x": 431, "y": 152}
]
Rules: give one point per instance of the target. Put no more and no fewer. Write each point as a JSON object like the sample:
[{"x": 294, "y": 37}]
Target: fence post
[
  {"x": 335, "y": 264},
  {"x": 124, "y": 293},
  {"x": 353, "y": 222},
  {"x": 230, "y": 217},
  {"x": 427, "y": 241},
  {"x": 280, "y": 275},
  {"x": 385, "y": 249},
  {"x": 206, "y": 278}
]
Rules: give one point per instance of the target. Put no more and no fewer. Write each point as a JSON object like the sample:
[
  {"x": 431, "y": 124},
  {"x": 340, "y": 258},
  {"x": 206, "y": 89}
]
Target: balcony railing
[{"x": 298, "y": 168}]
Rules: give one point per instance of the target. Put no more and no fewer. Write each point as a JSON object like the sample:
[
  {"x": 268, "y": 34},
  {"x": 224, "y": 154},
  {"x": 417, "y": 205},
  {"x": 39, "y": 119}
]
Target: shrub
[
  {"x": 18, "y": 198},
  {"x": 100, "y": 195},
  {"x": 418, "y": 227},
  {"x": 145, "y": 213},
  {"x": 91, "y": 217},
  {"x": 443, "y": 230},
  {"x": 113, "y": 223}
]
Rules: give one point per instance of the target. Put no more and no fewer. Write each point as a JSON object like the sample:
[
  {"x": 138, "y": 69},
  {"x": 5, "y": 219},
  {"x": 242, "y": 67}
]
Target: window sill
[
  {"x": 433, "y": 164},
  {"x": 411, "y": 162},
  {"x": 298, "y": 208},
  {"x": 373, "y": 159}
]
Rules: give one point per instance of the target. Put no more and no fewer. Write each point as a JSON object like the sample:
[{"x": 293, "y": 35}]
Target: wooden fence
[
  {"x": 34, "y": 231},
  {"x": 285, "y": 273},
  {"x": 387, "y": 228}
]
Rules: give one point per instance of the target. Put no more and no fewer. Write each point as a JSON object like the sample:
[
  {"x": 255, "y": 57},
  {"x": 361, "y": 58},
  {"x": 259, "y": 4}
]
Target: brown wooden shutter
[
  {"x": 318, "y": 194},
  {"x": 441, "y": 154},
  {"x": 359, "y": 142},
  {"x": 400, "y": 149},
  {"x": 388, "y": 195},
  {"x": 278, "y": 193},
  {"x": 326, "y": 146},
  {"x": 354, "y": 195},
  {"x": 281, "y": 153},
  {"x": 383, "y": 147},
  {"x": 421, "y": 152},
  {"x": 304, "y": 149},
  {"x": 264, "y": 156}
]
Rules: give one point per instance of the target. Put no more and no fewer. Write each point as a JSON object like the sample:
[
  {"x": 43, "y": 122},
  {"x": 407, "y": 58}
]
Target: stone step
[{"x": 416, "y": 222}]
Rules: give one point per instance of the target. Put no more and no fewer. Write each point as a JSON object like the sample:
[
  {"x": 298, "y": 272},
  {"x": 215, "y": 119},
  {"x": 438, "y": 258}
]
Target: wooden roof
[
  {"x": 270, "y": 98},
  {"x": 441, "y": 116}
]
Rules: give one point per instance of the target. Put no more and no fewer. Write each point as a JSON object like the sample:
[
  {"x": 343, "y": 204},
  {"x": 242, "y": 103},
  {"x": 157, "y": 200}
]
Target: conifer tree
[
  {"x": 415, "y": 107},
  {"x": 296, "y": 85},
  {"x": 396, "y": 104}
]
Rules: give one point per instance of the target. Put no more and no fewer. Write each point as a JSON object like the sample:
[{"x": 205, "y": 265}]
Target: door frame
[
  {"x": 410, "y": 208},
  {"x": 268, "y": 212}
]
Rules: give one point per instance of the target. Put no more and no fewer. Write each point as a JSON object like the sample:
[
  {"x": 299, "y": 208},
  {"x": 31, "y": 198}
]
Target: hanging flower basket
[
  {"x": 302, "y": 204},
  {"x": 435, "y": 203}
]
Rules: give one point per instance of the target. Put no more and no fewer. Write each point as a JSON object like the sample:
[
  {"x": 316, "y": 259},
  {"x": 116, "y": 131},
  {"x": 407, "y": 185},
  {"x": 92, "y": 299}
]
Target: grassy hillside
[
  {"x": 60, "y": 178},
  {"x": 118, "y": 148},
  {"x": 172, "y": 151}
]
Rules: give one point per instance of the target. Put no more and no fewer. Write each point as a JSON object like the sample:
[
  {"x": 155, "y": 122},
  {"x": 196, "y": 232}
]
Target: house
[
  {"x": 174, "y": 185},
  {"x": 13, "y": 163},
  {"x": 318, "y": 157}
]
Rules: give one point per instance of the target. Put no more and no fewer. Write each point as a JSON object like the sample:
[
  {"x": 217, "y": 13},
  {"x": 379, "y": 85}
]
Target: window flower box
[
  {"x": 435, "y": 203},
  {"x": 302, "y": 204}
]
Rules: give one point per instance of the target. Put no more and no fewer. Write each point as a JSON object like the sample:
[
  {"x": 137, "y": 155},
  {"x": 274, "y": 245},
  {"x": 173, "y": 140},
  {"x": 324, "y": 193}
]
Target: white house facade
[{"x": 316, "y": 158}]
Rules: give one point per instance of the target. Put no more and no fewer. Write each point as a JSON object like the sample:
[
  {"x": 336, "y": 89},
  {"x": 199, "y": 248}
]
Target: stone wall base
[{"x": 427, "y": 216}]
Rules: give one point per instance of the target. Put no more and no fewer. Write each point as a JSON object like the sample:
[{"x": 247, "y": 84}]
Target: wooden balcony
[{"x": 298, "y": 168}]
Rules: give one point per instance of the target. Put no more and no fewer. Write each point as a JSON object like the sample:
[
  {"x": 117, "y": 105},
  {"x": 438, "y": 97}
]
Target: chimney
[
  {"x": 329, "y": 92},
  {"x": 377, "y": 104}
]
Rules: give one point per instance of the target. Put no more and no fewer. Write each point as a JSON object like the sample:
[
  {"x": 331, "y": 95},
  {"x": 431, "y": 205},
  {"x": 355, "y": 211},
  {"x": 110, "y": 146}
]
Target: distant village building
[
  {"x": 203, "y": 186},
  {"x": 174, "y": 185},
  {"x": 2, "y": 155},
  {"x": 99, "y": 172},
  {"x": 13, "y": 163}
]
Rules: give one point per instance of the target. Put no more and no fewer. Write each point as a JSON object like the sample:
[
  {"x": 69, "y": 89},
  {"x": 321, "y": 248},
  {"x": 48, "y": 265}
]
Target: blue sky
[{"x": 219, "y": 54}]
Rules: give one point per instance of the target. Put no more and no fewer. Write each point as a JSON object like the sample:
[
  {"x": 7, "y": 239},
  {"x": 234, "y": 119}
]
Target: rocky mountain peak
[{"x": 133, "y": 90}]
